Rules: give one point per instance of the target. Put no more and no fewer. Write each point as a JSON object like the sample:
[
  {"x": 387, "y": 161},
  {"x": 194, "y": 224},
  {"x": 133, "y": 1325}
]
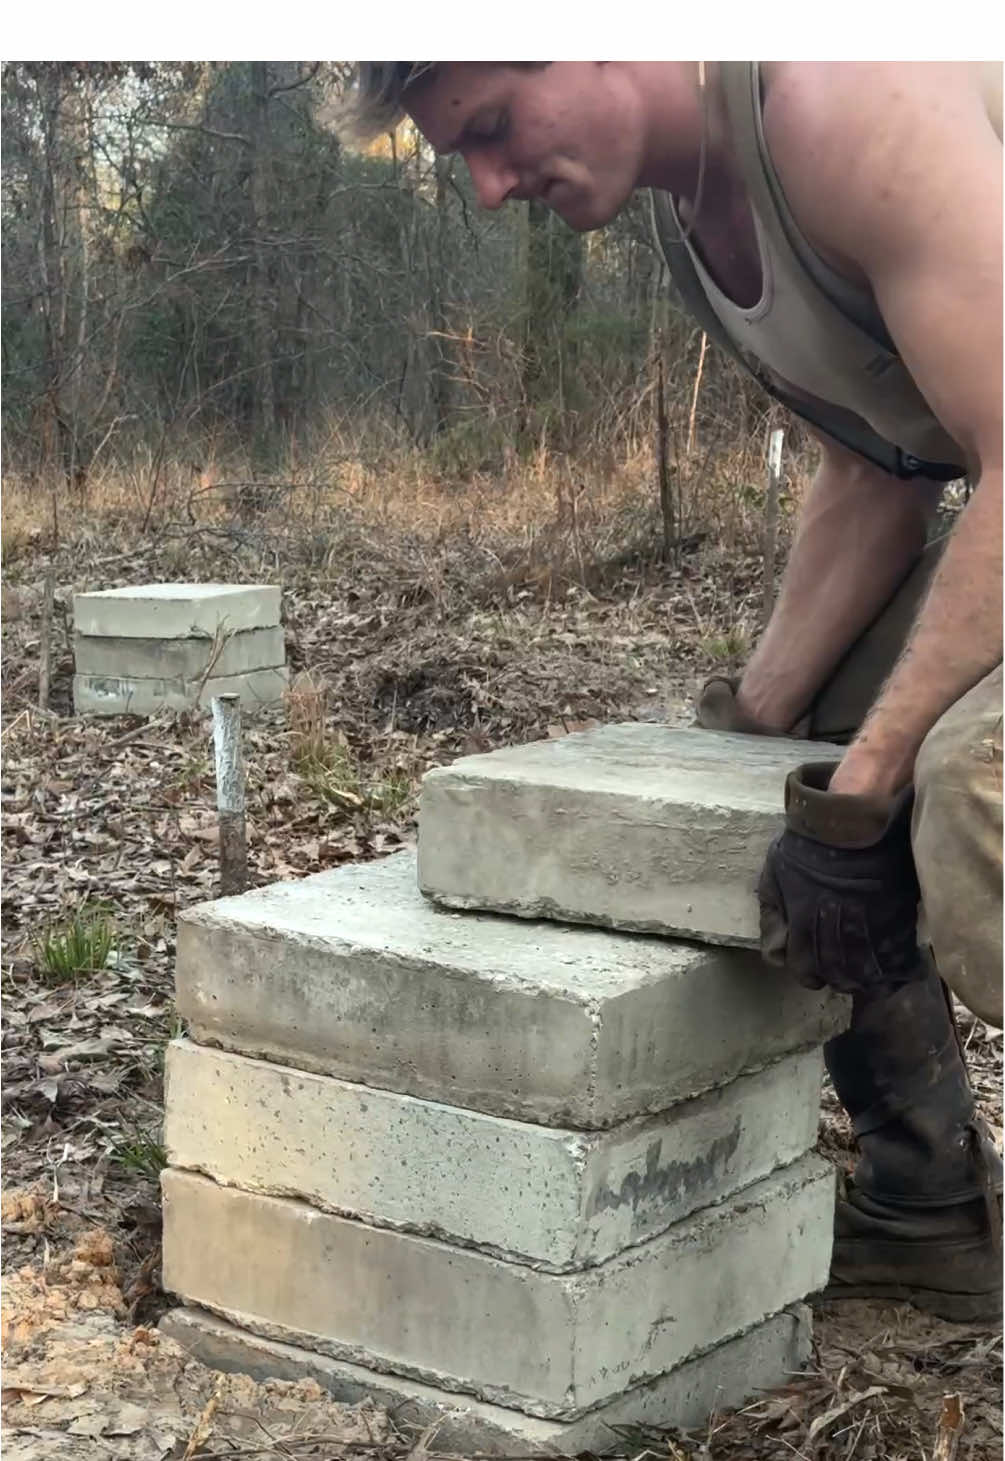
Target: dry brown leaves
[
  {"x": 884, "y": 1385},
  {"x": 424, "y": 652}
]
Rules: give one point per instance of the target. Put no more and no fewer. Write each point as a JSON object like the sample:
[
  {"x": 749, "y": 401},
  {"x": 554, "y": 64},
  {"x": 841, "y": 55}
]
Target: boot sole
[{"x": 958, "y": 1308}]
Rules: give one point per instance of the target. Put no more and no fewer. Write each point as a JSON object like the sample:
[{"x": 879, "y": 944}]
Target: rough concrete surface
[
  {"x": 551, "y": 1344},
  {"x": 630, "y": 826},
  {"x": 185, "y": 659},
  {"x": 353, "y": 973},
  {"x": 537, "y": 1194},
  {"x": 106, "y": 695},
  {"x": 175, "y": 610},
  {"x": 758, "y": 1360}
]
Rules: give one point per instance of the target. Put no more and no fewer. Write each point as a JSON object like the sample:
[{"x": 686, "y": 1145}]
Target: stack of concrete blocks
[
  {"x": 173, "y": 646},
  {"x": 532, "y": 1181}
]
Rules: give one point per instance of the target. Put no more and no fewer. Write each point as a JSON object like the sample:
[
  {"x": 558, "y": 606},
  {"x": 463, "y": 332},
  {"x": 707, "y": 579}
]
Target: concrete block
[
  {"x": 175, "y": 610},
  {"x": 552, "y": 1198},
  {"x": 631, "y": 826},
  {"x": 107, "y": 695},
  {"x": 353, "y": 973},
  {"x": 552, "y": 1344},
  {"x": 721, "y": 1379},
  {"x": 115, "y": 657}
]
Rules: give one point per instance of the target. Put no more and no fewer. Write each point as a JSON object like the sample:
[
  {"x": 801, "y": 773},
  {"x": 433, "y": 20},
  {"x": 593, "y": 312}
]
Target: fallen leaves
[{"x": 420, "y": 653}]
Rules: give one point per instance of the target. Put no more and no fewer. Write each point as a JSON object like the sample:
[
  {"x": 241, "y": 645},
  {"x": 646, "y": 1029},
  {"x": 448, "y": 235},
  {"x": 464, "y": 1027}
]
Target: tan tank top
[{"x": 813, "y": 338}]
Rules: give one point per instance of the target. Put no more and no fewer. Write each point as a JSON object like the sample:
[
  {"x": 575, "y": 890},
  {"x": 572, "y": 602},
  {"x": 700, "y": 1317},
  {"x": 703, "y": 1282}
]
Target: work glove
[
  {"x": 718, "y": 709},
  {"x": 839, "y": 893}
]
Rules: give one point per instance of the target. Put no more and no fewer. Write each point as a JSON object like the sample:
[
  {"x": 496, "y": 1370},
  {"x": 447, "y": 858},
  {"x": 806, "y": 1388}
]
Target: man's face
[{"x": 569, "y": 133}]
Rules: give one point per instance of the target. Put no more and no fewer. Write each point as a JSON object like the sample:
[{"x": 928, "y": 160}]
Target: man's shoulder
[
  {"x": 848, "y": 138},
  {"x": 840, "y": 99}
]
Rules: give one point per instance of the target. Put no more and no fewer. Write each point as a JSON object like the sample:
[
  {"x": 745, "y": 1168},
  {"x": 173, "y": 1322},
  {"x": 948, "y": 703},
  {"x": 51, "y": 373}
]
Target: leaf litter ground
[{"x": 407, "y": 657}]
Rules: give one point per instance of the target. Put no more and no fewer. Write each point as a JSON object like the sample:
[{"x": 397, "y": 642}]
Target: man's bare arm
[
  {"x": 957, "y": 640},
  {"x": 859, "y": 534},
  {"x": 897, "y": 169}
]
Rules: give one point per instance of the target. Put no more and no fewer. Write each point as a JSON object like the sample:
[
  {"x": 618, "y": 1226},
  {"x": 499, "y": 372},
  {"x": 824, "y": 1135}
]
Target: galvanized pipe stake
[{"x": 230, "y": 794}]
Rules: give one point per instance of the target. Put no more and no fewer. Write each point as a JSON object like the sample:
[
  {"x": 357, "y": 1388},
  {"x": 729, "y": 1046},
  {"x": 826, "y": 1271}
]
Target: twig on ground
[
  {"x": 204, "y": 1425},
  {"x": 950, "y": 1428},
  {"x": 133, "y": 735},
  {"x": 220, "y": 640}
]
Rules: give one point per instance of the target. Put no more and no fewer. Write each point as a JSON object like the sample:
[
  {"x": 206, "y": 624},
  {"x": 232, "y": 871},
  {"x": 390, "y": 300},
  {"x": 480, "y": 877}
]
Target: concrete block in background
[
  {"x": 175, "y": 610},
  {"x": 103, "y": 656},
  {"x": 107, "y": 695}
]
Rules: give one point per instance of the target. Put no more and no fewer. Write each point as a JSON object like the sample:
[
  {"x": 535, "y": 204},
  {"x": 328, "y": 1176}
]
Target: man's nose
[{"x": 492, "y": 179}]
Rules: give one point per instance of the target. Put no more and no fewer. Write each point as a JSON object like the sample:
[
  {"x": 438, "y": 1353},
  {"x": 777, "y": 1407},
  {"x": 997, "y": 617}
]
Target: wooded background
[{"x": 193, "y": 256}]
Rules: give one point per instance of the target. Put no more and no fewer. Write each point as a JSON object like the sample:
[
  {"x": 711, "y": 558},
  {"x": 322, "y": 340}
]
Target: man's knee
[{"x": 957, "y": 838}]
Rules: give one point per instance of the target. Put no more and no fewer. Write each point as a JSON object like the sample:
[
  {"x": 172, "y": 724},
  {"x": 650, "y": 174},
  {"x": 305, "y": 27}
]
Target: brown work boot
[{"x": 920, "y": 1220}]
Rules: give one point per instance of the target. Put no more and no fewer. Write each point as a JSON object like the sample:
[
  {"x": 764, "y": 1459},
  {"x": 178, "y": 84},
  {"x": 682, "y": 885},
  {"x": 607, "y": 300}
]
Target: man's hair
[{"x": 376, "y": 102}]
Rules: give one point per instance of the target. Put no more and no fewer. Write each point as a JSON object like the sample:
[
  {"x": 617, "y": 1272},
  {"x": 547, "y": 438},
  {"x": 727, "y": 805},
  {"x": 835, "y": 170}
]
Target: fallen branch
[{"x": 950, "y": 1428}]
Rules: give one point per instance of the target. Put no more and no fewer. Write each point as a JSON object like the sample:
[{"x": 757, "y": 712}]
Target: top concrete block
[
  {"x": 631, "y": 826},
  {"x": 176, "y": 610},
  {"x": 353, "y": 973}
]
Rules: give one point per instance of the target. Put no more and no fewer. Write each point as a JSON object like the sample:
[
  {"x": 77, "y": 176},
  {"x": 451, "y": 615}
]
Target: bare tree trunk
[
  {"x": 694, "y": 397},
  {"x": 662, "y": 432},
  {"x": 52, "y": 262},
  {"x": 442, "y": 366},
  {"x": 265, "y": 398},
  {"x": 77, "y": 470},
  {"x": 656, "y": 300},
  {"x": 45, "y": 640},
  {"x": 554, "y": 276}
]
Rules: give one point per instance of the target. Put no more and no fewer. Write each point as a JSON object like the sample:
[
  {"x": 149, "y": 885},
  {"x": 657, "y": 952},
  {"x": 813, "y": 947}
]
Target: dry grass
[{"x": 548, "y": 519}]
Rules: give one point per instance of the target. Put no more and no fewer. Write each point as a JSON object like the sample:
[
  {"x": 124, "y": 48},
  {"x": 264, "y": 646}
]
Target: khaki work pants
[{"x": 956, "y": 830}]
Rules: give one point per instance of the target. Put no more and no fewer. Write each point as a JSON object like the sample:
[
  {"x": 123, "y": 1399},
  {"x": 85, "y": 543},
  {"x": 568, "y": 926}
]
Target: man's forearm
[
  {"x": 860, "y": 533},
  {"x": 957, "y": 640}
]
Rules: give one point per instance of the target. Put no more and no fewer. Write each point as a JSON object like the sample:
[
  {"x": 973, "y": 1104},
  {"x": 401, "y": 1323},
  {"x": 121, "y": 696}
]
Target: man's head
[{"x": 572, "y": 133}]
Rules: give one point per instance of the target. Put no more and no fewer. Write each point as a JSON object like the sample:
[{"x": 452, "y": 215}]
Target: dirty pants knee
[
  {"x": 957, "y": 825},
  {"x": 956, "y": 833}
]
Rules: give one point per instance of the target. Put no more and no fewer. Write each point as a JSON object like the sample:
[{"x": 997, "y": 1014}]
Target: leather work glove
[
  {"x": 839, "y": 893},
  {"x": 717, "y": 709}
]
